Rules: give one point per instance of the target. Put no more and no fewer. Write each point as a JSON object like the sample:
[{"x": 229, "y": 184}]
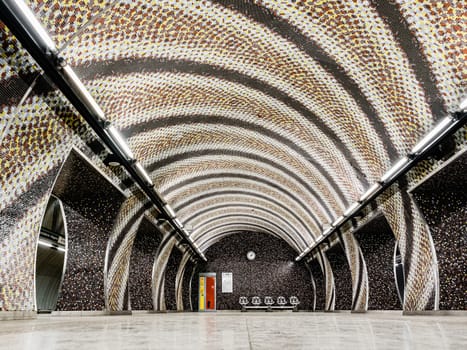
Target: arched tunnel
[{"x": 233, "y": 155}]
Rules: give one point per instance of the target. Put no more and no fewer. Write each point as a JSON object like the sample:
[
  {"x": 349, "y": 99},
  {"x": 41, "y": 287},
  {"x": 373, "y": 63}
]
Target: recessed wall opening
[
  {"x": 271, "y": 272},
  {"x": 51, "y": 256},
  {"x": 377, "y": 243},
  {"x": 442, "y": 199},
  {"x": 90, "y": 203}
]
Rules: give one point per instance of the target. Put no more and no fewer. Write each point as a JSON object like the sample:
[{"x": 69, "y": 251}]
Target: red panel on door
[{"x": 210, "y": 293}]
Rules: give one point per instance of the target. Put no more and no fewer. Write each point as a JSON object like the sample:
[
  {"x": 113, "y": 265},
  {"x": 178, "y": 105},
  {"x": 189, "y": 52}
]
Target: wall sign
[{"x": 227, "y": 284}]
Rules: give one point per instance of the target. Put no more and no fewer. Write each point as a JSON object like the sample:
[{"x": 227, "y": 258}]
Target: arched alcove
[
  {"x": 273, "y": 271},
  {"x": 377, "y": 243}
]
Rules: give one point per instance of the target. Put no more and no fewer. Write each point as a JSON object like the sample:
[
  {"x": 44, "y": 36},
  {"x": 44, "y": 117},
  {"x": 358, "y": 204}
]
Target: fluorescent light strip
[
  {"x": 425, "y": 143},
  {"x": 33, "y": 22},
  {"x": 78, "y": 87},
  {"x": 178, "y": 223},
  {"x": 370, "y": 192},
  {"x": 338, "y": 221},
  {"x": 119, "y": 140},
  {"x": 326, "y": 232},
  {"x": 432, "y": 136},
  {"x": 45, "y": 42},
  {"x": 169, "y": 210},
  {"x": 142, "y": 173},
  {"x": 350, "y": 210},
  {"x": 395, "y": 169}
]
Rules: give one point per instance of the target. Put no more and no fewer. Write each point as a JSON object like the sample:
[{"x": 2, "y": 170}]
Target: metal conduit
[
  {"x": 33, "y": 37},
  {"x": 446, "y": 127}
]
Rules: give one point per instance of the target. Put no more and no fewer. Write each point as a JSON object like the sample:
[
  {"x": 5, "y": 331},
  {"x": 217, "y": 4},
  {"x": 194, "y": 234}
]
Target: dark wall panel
[
  {"x": 91, "y": 205},
  {"x": 200, "y": 267},
  {"x": 186, "y": 286},
  {"x": 377, "y": 244},
  {"x": 273, "y": 273},
  {"x": 443, "y": 201},
  {"x": 144, "y": 250},
  {"x": 319, "y": 284},
  {"x": 170, "y": 276},
  {"x": 342, "y": 277}
]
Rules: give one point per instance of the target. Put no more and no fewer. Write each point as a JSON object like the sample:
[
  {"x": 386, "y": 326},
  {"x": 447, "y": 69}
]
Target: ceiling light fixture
[
  {"x": 395, "y": 170},
  {"x": 119, "y": 140}
]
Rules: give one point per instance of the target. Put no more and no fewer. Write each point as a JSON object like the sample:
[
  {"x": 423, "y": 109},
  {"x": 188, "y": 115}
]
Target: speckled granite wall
[
  {"x": 200, "y": 267},
  {"x": 273, "y": 273},
  {"x": 187, "y": 306},
  {"x": 91, "y": 204},
  {"x": 377, "y": 245},
  {"x": 443, "y": 201},
  {"x": 342, "y": 277},
  {"x": 170, "y": 277},
  {"x": 143, "y": 253},
  {"x": 319, "y": 283}
]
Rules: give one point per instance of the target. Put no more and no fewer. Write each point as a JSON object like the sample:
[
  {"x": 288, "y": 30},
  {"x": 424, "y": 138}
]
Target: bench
[{"x": 269, "y": 301}]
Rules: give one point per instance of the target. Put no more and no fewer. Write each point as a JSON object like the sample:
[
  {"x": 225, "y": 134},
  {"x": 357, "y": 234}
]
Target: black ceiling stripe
[
  {"x": 198, "y": 198},
  {"x": 247, "y": 177},
  {"x": 231, "y": 205},
  {"x": 390, "y": 13},
  {"x": 224, "y": 206},
  {"x": 128, "y": 66},
  {"x": 227, "y": 152},
  {"x": 253, "y": 207},
  {"x": 259, "y": 218},
  {"x": 275, "y": 234},
  {"x": 231, "y": 232},
  {"x": 207, "y": 119},
  {"x": 292, "y": 34}
]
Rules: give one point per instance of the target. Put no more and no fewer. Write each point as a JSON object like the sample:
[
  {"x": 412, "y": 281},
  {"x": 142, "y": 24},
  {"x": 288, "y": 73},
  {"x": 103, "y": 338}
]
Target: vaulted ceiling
[{"x": 270, "y": 116}]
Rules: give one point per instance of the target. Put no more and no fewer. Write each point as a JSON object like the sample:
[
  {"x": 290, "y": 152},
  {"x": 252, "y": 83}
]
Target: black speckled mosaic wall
[
  {"x": 186, "y": 286},
  {"x": 319, "y": 284},
  {"x": 170, "y": 277},
  {"x": 377, "y": 244},
  {"x": 443, "y": 201},
  {"x": 91, "y": 204},
  {"x": 273, "y": 272},
  {"x": 144, "y": 250},
  {"x": 342, "y": 277}
]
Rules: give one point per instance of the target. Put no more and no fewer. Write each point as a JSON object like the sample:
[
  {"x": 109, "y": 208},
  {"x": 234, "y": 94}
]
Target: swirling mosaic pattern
[
  {"x": 263, "y": 115},
  {"x": 331, "y": 91}
]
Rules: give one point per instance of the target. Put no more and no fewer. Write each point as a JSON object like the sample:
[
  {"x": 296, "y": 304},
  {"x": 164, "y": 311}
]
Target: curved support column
[
  {"x": 158, "y": 271},
  {"x": 330, "y": 296},
  {"x": 190, "y": 288},
  {"x": 358, "y": 272},
  {"x": 118, "y": 253},
  {"x": 417, "y": 250},
  {"x": 179, "y": 280}
]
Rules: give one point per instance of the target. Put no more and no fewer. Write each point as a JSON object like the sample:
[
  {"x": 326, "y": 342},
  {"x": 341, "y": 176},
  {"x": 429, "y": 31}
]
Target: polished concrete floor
[{"x": 223, "y": 330}]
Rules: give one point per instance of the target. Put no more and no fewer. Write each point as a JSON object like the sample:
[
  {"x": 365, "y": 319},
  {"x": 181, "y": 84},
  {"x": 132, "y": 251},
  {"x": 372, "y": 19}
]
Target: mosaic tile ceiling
[{"x": 265, "y": 115}]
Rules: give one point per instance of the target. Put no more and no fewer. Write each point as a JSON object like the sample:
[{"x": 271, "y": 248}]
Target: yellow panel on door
[{"x": 201, "y": 293}]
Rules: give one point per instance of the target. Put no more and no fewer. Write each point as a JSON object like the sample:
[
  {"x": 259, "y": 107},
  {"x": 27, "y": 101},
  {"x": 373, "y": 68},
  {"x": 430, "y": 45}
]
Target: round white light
[{"x": 251, "y": 255}]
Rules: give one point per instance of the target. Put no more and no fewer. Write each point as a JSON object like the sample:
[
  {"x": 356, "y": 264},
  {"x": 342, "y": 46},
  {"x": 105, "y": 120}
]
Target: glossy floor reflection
[{"x": 237, "y": 331}]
